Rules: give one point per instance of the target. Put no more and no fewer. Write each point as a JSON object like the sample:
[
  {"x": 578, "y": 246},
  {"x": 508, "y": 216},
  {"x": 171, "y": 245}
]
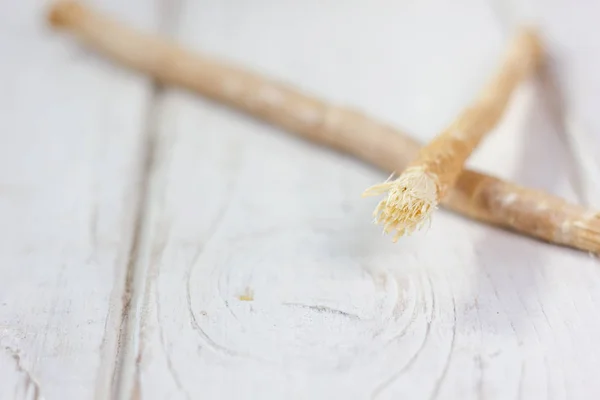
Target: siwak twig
[
  {"x": 474, "y": 195},
  {"x": 413, "y": 196}
]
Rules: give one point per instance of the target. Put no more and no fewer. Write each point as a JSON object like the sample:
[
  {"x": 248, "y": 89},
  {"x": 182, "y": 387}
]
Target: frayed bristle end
[{"x": 408, "y": 204}]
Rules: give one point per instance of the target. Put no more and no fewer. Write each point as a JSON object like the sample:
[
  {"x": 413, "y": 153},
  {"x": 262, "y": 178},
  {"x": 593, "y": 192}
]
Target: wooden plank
[
  {"x": 73, "y": 134},
  {"x": 263, "y": 276}
]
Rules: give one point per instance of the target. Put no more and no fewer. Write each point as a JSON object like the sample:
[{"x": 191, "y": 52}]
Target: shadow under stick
[{"x": 474, "y": 195}]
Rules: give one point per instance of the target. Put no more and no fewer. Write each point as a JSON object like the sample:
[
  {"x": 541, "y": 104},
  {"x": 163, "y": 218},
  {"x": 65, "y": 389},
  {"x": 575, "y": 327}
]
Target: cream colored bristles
[{"x": 408, "y": 204}]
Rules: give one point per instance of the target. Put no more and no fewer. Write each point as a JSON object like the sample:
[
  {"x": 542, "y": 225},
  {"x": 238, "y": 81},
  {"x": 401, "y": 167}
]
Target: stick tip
[
  {"x": 408, "y": 204},
  {"x": 62, "y": 12},
  {"x": 529, "y": 40}
]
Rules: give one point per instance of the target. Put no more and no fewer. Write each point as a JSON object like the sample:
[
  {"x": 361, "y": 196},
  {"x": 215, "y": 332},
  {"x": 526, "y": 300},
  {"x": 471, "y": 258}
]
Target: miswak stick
[
  {"x": 474, "y": 195},
  {"x": 411, "y": 198}
]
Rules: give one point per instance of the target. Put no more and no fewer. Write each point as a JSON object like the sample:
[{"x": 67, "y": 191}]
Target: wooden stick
[
  {"x": 474, "y": 195},
  {"x": 420, "y": 188}
]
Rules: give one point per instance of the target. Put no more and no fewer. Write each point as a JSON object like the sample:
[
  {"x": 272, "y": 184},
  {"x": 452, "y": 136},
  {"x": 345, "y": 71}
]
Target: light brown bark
[
  {"x": 475, "y": 195},
  {"x": 445, "y": 155}
]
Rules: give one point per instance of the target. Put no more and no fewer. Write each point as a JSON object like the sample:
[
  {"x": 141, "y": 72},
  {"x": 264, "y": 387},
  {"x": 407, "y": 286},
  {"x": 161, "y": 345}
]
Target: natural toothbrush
[
  {"x": 411, "y": 198},
  {"x": 482, "y": 197}
]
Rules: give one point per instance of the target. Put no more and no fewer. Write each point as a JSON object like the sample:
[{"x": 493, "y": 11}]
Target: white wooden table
[{"x": 155, "y": 245}]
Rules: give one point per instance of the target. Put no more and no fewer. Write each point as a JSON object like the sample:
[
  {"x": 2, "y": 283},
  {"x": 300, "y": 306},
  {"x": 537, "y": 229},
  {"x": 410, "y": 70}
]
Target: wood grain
[
  {"x": 72, "y": 130},
  {"x": 263, "y": 276},
  {"x": 157, "y": 246}
]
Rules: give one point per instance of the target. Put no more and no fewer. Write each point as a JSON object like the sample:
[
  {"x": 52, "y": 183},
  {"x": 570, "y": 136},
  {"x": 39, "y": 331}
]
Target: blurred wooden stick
[{"x": 475, "y": 195}]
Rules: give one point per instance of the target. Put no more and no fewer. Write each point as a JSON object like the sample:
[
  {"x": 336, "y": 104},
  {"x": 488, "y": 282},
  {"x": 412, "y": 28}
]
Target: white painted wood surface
[
  {"x": 72, "y": 135},
  {"x": 248, "y": 256}
]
